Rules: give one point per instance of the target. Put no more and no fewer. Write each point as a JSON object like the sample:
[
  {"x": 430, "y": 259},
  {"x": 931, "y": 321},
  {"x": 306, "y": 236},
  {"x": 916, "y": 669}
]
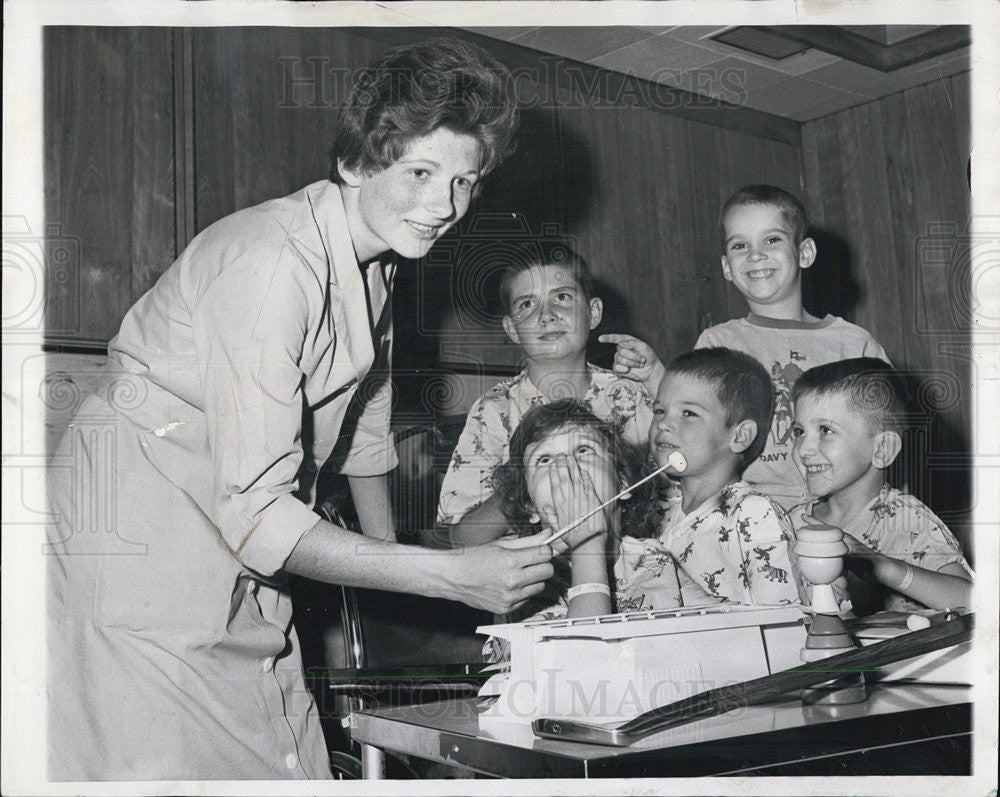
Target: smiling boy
[
  {"x": 730, "y": 541},
  {"x": 547, "y": 293},
  {"x": 848, "y": 420}
]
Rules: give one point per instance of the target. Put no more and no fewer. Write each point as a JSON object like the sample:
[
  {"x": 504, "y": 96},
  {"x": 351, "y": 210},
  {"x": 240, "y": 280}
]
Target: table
[{"x": 902, "y": 729}]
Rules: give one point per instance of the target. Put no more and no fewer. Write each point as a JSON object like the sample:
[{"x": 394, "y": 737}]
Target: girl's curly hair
[{"x": 510, "y": 486}]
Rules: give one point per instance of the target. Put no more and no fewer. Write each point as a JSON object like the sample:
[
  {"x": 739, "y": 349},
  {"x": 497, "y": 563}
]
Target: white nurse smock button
[
  {"x": 267, "y": 664},
  {"x": 291, "y": 761}
]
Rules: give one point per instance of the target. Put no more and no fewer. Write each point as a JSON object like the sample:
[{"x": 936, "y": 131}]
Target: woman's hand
[
  {"x": 573, "y": 497},
  {"x": 635, "y": 359},
  {"x": 498, "y": 577}
]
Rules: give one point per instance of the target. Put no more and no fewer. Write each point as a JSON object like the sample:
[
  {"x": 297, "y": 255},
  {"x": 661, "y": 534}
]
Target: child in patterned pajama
[
  {"x": 848, "y": 419},
  {"x": 731, "y": 542},
  {"x": 564, "y": 461}
]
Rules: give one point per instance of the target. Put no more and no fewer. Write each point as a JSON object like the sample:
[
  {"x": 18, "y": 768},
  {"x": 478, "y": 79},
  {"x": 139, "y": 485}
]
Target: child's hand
[
  {"x": 806, "y": 518},
  {"x": 857, "y": 548},
  {"x": 573, "y": 496},
  {"x": 635, "y": 359},
  {"x": 854, "y": 546}
]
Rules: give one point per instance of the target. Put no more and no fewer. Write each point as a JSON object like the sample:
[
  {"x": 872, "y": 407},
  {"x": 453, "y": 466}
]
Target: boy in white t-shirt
[{"x": 765, "y": 249}]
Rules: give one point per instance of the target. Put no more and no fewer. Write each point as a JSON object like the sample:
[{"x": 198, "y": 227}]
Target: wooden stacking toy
[{"x": 821, "y": 549}]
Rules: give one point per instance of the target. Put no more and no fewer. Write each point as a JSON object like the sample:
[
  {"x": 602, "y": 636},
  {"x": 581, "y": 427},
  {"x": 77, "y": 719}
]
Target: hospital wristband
[
  {"x": 907, "y": 579},
  {"x": 583, "y": 589}
]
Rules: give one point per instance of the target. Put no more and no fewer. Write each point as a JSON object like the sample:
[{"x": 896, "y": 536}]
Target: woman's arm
[{"x": 487, "y": 577}]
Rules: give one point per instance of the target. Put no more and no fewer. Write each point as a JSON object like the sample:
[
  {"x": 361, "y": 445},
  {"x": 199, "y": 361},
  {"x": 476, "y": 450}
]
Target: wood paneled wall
[
  {"x": 153, "y": 134},
  {"x": 109, "y": 173},
  {"x": 657, "y": 182},
  {"x": 887, "y": 188}
]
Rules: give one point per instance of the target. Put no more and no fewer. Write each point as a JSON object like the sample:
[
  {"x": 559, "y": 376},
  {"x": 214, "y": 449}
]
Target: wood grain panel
[
  {"x": 889, "y": 179},
  {"x": 153, "y": 199},
  {"x": 265, "y": 106},
  {"x": 108, "y": 160},
  {"x": 657, "y": 185}
]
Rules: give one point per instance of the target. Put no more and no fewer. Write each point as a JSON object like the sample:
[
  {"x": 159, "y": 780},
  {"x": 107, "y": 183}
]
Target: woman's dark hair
[
  {"x": 510, "y": 485},
  {"x": 411, "y": 91}
]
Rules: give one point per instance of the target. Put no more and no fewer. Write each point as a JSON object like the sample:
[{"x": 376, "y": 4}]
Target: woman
[{"x": 186, "y": 495}]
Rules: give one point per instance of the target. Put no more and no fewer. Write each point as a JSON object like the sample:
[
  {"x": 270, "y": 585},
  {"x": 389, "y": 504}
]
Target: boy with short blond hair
[
  {"x": 550, "y": 309},
  {"x": 765, "y": 248},
  {"x": 848, "y": 420}
]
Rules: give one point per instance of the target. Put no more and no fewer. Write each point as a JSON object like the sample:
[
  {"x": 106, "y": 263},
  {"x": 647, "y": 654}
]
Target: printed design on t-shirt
[
  {"x": 682, "y": 557},
  {"x": 921, "y": 529},
  {"x": 744, "y": 572},
  {"x": 783, "y": 377},
  {"x": 743, "y": 529}
]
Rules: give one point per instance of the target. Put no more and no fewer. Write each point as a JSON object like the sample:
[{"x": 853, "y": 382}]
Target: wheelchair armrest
[{"x": 445, "y": 679}]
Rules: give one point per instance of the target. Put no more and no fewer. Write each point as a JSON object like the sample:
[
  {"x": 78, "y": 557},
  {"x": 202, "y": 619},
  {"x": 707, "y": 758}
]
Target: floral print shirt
[
  {"x": 485, "y": 441},
  {"x": 899, "y": 525},
  {"x": 735, "y": 547}
]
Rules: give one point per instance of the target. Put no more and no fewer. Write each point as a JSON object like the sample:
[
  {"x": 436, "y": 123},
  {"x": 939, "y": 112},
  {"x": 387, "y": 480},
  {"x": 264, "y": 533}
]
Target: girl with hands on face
[
  {"x": 573, "y": 494},
  {"x": 564, "y": 463}
]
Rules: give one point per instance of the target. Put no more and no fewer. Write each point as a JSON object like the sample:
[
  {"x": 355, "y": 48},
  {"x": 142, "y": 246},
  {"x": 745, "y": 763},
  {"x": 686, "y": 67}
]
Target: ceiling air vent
[{"x": 759, "y": 41}]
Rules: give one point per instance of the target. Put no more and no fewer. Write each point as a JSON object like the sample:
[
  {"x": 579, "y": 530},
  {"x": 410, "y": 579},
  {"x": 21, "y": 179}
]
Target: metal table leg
[{"x": 372, "y": 762}]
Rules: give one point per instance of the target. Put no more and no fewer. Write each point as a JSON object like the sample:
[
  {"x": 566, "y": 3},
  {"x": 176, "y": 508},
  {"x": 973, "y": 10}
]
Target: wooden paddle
[{"x": 761, "y": 690}]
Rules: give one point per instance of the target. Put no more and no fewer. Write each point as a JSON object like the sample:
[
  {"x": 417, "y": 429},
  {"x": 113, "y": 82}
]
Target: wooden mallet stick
[{"x": 676, "y": 462}]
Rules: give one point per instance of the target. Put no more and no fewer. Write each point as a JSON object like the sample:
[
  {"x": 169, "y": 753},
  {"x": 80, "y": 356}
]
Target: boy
[
  {"x": 765, "y": 250},
  {"x": 848, "y": 419},
  {"x": 730, "y": 542},
  {"x": 547, "y": 294}
]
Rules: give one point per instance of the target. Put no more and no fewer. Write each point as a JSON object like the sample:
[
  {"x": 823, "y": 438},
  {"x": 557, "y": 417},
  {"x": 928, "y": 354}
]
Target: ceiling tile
[
  {"x": 850, "y": 76},
  {"x": 802, "y": 87},
  {"x": 504, "y": 34},
  {"x": 787, "y": 95},
  {"x": 793, "y": 65},
  {"x": 656, "y": 54},
  {"x": 734, "y": 72},
  {"x": 694, "y": 34},
  {"x": 582, "y": 44}
]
